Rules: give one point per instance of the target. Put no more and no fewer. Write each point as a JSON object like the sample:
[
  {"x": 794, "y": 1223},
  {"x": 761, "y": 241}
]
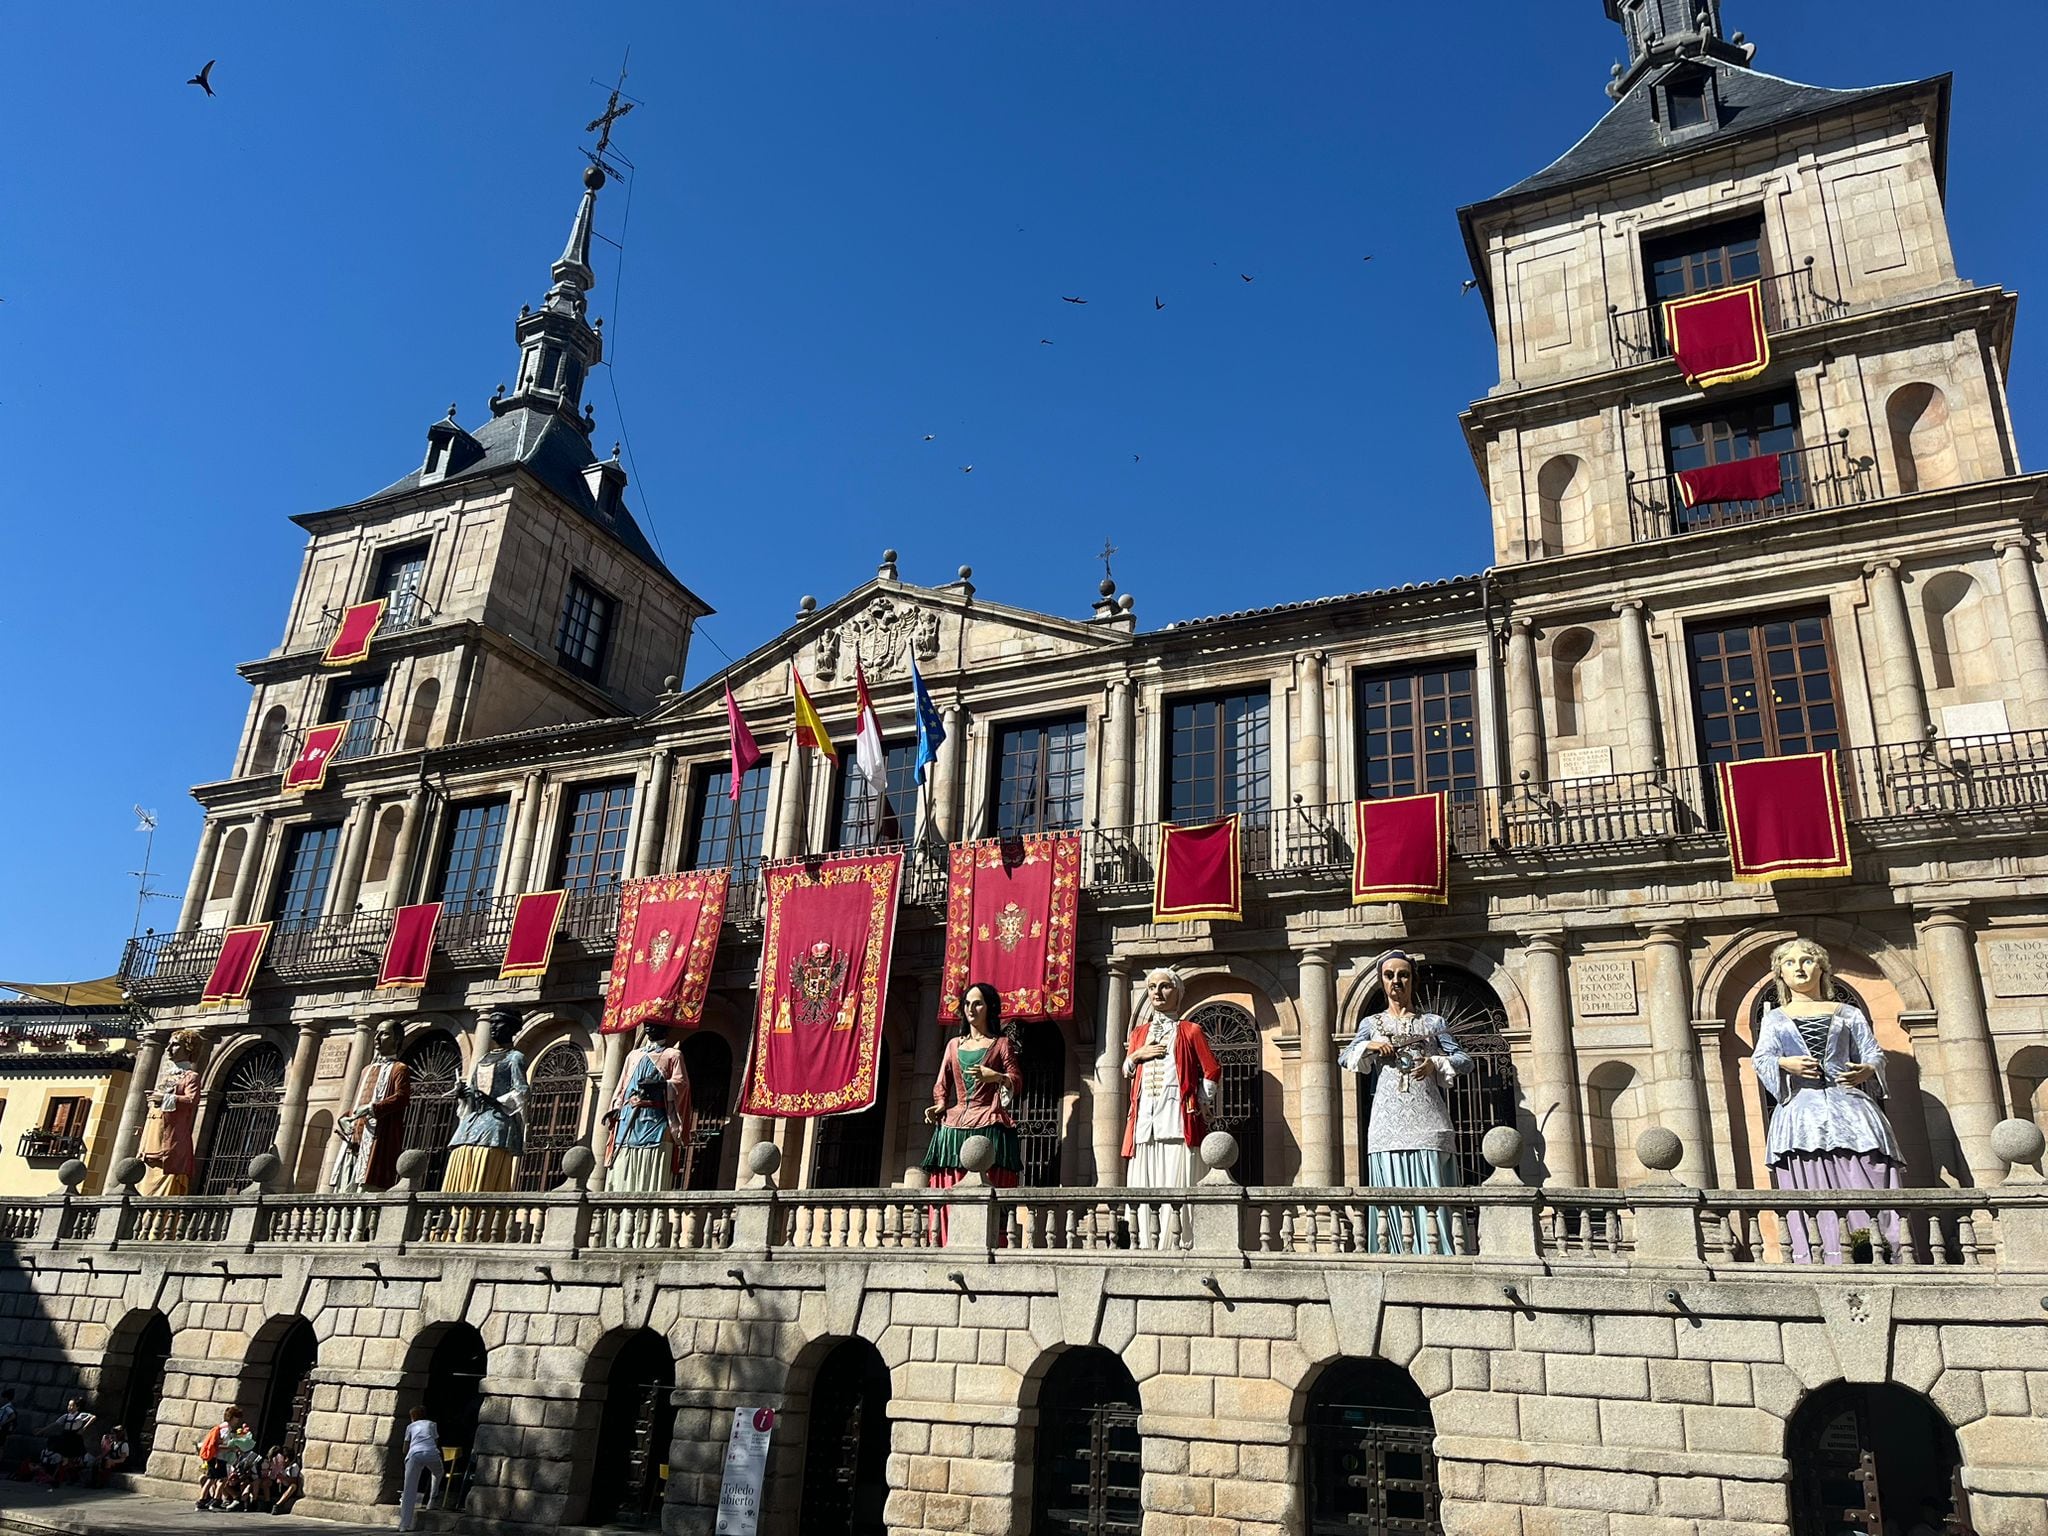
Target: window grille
[
  {"x": 554, "y": 1115},
  {"x": 243, "y": 1122},
  {"x": 435, "y": 1061},
  {"x": 1240, "y": 1106}
]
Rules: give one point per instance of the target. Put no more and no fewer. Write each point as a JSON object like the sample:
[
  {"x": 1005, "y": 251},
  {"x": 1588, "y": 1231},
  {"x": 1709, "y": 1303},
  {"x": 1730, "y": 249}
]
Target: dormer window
[
  {"x": 437, "y": 458},
  {"x": 1688, "y": 100}
]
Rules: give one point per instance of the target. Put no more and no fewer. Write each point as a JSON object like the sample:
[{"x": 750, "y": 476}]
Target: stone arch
[
  {"x": 264, "y": 756},
  {"x": 844, "y": 1483},
  {"x": 559, "y": 1087},
  {"x": 1958, "y": 635},
  {"x": 444, "y": 1371},
  {"x": 383, "y": 845},
  {"x": 276, "y": 1386},
  {"x": 239, "y": 1103},
  {"x": 1923, "y": 446},
  {"x": 419, "y": 714},
  {"x": 1574, "y": 678},
  {"x": 1563, "y": 502},
  {"x": 2026, "y": 1079},
  {"x": 1843, "y": 1432},
  {"x": 1616, "y": 1111},
  {"x": 1076, "y": 1398},
  {"x": 625, "y": 1428},
  {"x": 132, "y": 1380},
  {"x": 1367, "y": 1448},
  {"x": 229, "y": 866}
]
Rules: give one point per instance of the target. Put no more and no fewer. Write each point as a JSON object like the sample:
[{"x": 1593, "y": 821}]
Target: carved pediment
[{"x": 884, "y": 636}]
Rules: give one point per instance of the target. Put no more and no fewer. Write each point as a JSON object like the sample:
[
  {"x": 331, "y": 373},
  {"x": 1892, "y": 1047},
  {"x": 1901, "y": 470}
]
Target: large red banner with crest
[
  {"x": 1010, "y": 910},
  {"x": 668, "y": 935},
  {"x": 825, "y": 943}
]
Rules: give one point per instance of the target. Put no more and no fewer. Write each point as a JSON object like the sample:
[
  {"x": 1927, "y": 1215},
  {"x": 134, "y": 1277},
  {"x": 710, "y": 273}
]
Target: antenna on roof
[{"x": 145, "y": 822}]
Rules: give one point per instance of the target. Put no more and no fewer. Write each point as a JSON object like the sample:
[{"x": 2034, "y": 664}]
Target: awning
[{"x": 103, "y": 993}]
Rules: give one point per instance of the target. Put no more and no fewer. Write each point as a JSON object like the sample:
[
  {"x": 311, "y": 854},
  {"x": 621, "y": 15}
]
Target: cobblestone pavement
[{"x": 29, "y": 1509}]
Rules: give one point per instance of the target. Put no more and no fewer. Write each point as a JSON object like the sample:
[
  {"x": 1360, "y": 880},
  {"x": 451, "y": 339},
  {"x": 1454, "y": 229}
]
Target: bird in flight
[
  {"x": 1365, "y": 258},
  {"x": 1065, "y": 299},
  {"x": 1043, "y": 342},
  {"x": 966, "y": 469},
  {"x": 1157, "y": 303},
  {"x": 1468, "y": 285},
  {"x": 1134, "y": 458},
  {"x": 200, "y": 78},
  {"x": 930, "y": 436},
  {"x": 1245, "y": 275}
]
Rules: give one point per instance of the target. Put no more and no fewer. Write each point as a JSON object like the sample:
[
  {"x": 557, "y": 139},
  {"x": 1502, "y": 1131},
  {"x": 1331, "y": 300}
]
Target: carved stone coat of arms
[{"x": 884, "y": 635}]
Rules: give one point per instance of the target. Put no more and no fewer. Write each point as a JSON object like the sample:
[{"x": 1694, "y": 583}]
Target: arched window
[
  {"x": 1922, "y": 445},
  {"x": 243, "y": 1120},
  {"x": 634, "y": 1433},
  {"x": 1371, "y": 1464},
  {"x": 1483, "y": 1096},
  {"x": 1873, "y": 1459},
  {"x": 708, "y": 1061},
  {"x": 134, "y": 1381},
  {"x": 280, "y": 1378},
  {"x": 849, "y": 1152},
  {"x": 846, "y": 1448},
  {"x": 436, "y": 1063},
  {"x": 419, "y": 717},
  {"x": 1044, "y": 1051},
  {"x": 554, "y": 1114},
  {"x": 230, "y": 865},
  {"x": 269, "y": 741},
  {"x": 1571, "y": 683},
  {"x": 1087, "y": 1473},
  {"x": 1241, "y": 1095}
]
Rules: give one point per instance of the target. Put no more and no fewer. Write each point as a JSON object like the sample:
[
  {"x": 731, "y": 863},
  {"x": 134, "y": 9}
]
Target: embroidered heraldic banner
[
  {"x": 1719, "y": 337},
  {"x": 1010, "y": 911},
  {"x": 825, "y": 947},
  {"x": 668, "y": 934}
]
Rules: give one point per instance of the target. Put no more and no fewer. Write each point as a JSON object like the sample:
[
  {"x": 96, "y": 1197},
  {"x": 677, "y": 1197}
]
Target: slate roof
[{"x": 1273, "y": 609}]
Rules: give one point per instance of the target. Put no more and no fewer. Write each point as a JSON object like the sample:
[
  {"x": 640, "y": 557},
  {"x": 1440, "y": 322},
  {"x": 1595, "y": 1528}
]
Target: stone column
[
  {"x": 1551, "y": 1087},
  {"x": 615, "y": 1049},
  {"x": 362, "y": 1042},
  {"x": 399, "y": 891},
  {"x": 149, "y": 1060},
  {"x": 1114, "y": 807},
  {"x": 202, "y": 876},
  {"x": 291, "y": 1109},
  {"x": 245, "y": 878},
  {"x": 1525, "y": 706},
  {"x": 512, "y": 880},
  {"x": 650, "y": 845},
  {"x": 1318, "y": 1068},
  {"x": 1678, "y": 1097},
  {"x": 1311, "y": 779},
  {"x": 948, "y": 782},
  {"x": 1897, "y": 653},
  {"x": 930, "y": 1038},
  {"x": 791, "y": 819},
  {"x": 1639, "y": 688},
  {"x": 355, "y": 853},
  {"x": 2029, "y": 631},
  {"x": 1969, "y": 1067},
  {"x": 1107, "y": 1103}
]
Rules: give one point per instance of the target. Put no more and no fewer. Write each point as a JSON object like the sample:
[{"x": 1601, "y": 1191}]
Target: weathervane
[{"x": 614, "y": 109}]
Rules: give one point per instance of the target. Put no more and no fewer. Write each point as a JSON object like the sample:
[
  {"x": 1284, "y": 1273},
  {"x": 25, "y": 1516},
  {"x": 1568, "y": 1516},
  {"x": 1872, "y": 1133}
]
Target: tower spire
[{"x": 1661, "y": 32}]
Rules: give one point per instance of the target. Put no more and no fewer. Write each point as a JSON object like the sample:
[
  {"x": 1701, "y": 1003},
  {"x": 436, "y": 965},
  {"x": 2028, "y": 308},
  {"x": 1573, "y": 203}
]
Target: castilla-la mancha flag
[
  {"x": 668, "y": 936},
  {"x": 828, "y": 929},
  {"x": 1010, "y": 921}
]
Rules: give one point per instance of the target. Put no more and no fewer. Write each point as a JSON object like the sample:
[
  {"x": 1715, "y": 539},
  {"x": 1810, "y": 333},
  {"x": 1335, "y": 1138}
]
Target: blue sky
[{"x": 851, "y": 224}]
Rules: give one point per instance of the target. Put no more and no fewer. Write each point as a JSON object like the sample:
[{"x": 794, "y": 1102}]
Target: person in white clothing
[
  {"x": 1174, "y": 1077},
  {"x": 422, "y": 1465}
]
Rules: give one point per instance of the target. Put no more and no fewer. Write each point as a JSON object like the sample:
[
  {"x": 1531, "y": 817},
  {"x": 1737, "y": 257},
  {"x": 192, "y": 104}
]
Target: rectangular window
[
  {"x": 1041, "y": 768},
  {"x": 594, "y": 841},
  {"x": 586, "y": 629},
  {"x": 1688, "y": 100},
  {"x": 866, "y": 818},
  {"x": 712, "y": 838},
  {"x": 1739, "y": 429},
  {"x": 1702, "y": 259},
  {"x": 1417, "y": 733},
  {"x": 400, "y": 574},
  {"x": 308, "y": 865},
  {"x": 1219, "y": 756},
  {"x": 66, "y": 1117},
  {"x": 1765, "y": 687},
  {"x": 360, "y": 702},
  {"x": 469, "y": 856}
]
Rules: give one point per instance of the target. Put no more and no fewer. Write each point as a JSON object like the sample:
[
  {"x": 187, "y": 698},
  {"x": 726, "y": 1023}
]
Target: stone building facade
[{"x": 1617, "y": 1349}]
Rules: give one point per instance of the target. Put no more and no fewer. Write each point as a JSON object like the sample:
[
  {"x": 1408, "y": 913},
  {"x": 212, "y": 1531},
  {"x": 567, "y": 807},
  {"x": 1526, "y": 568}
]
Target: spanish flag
[{"x": 810, "y": 730}]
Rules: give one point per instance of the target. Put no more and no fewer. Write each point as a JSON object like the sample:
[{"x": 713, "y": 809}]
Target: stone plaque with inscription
[
  {"x": 333, "y": 1058},
  {"x": 1585, "y": 762},
  {"x": 1987, "y": 719},
  {"x": 1606, "y": 988},
  {"x": 2019, "y": 967}
]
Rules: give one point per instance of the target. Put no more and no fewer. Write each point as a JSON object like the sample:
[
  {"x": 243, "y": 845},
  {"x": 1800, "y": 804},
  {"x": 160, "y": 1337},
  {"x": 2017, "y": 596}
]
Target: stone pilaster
[
  {"x": 1309, "y": 750},
  {"x": 1316, "y": 1119},
  {"x": 1556, "y": 1131},
  {"x": 947, "y": 779},
  {"x": 2022, "y": 593},
  {"x": 791, "y": 808},
  {"x": 291, "y": 1108},
  {"x": 355, "y": 853},
  {"x": 1119, "y": 746},
  {"x": 202, "y": 876},
  {"x": 240, "y": 904},
  {"x": 1898, "y": 656},
  {"x": 512, "y": 880},
  {"x": 650, "y": 846},
  {"x": 615, "y": 1048},
  {"x": 417, "y": 806},
  {"x": 1678, "y": 1097},
  {"x": 1107, "y": 1107},
  {"x": 1969, "y": 1066},
  {"x": 149, "y": 1058},
  {"x": 1639, "y": 688},
  {"x": 1525, "y": 705}
]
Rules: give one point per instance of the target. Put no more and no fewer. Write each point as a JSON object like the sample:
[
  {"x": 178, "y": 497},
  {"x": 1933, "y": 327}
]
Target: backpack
[{"x": 209, "y": 1448}]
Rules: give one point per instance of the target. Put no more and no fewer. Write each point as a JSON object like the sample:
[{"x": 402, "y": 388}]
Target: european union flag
[{"x": 931, "y": 729}]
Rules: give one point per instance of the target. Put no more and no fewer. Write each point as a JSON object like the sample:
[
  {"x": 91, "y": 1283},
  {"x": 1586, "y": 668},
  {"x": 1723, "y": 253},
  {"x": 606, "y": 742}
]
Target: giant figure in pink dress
[{"x": 983, "y": 1078}]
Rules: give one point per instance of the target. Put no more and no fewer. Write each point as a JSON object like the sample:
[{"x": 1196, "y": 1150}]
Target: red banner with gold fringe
[
  {"x": 825, "y": 947},
  {"x": 1401, "y": 850},
  {"x": 1011, "y": 906},
  {"x": 352, "y": 637},
  {"x": 1200, "y": 873},
  {"x": 1784, "y": 817},
  {"x": 1755, "y": 479},
  {"x": 532, "y": 942},
  {"x": 309, "y": 769},
  {"x": 410, "y": 949},
  {"x": 668, "y": 936},
  {"x": 234, "y": 972},
  {"x": 1719, "y": 337}
]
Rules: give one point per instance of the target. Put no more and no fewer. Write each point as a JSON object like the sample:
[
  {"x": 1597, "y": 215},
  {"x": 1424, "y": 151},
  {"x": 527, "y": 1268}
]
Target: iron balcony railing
[
  {"x": 328, "y": 946},
  {"x": 1822, "y": 477},
  {"x": 406, "y": 611},
  {"x": 49, "y": 1144},
  {"x": 1791, "y": 302}
]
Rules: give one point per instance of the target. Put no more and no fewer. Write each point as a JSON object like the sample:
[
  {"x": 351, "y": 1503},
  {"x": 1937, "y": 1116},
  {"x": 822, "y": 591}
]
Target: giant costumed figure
[{"x": 1174, "y": 1076}]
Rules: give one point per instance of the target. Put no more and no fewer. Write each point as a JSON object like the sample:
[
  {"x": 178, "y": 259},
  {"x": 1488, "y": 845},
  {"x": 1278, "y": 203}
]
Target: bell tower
[
  {"x": 558, "y": 346},
  {"x": 1662, "y": 32}
]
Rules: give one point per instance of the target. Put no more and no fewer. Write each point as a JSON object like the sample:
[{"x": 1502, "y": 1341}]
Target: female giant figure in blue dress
[
  {"x": 1409, "y": 1141},
  {"x": 650, "y": 1117},
  {"x": 1820, "y": 1061},
  {"x": 491, "y": 1132}
]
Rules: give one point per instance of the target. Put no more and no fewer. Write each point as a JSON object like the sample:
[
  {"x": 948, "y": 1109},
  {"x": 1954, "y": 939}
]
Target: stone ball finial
[
  {"x": 1659, "y": 1149},
  {"x": 2018, "y": 1143},
  {"x": 129, "y": 1172},
  {"x": 72, "y": 1172},
  {"x": 1219, "y": 1150},
  {"x": 1502, "y": 1148},
  {"x": 593, "y": 177},
  {"x": 412, "y": 1164},
  {"x": 967, "y": 573},
  {"x": 578, "y": 1163},
  {"x": 265, "y": 1168},
  {"x": 1127, "y": 602},
  {"x": 763, "y": 1158},
  {"x": 977, "y": 1154},
  {"x": 1106, "y": 587},
  {"x": 668, "y": 684},
  {"x": 807, "y": 604}
]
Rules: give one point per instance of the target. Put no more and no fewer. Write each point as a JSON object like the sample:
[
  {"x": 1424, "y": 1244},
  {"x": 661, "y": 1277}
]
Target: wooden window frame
[
  {"x": 583, "y": 637},
  {"x": 1236, "y": 789},
  {"x": 1069, "y": 751},
  {"x": 599, "y": 853}
]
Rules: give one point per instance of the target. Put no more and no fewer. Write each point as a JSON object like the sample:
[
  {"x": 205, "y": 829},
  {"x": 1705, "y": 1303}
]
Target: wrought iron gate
[
  {"x": 847, "y": 1447},
  {"x": 1044, "y": 1052},
  {"x": 1371, "y": 1464},
  {"x": 435, "y": 1061},
  {"x": 554, "y": 1115},
  {"x": 243, "y": 1122},
  {"x": 708, "y": 1060},
  {"x": 1241, "y": 1095},
  {"x": 1089, "y": 1451}
]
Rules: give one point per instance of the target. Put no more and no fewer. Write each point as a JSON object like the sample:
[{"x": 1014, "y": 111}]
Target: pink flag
[{"x": 744, "y": 753}]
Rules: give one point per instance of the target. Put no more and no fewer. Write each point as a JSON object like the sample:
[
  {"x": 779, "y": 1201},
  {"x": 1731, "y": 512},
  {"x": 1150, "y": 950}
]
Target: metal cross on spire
[
  {"x": 614, "y": 109},
  {"x": 1109, "y": 551}
]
